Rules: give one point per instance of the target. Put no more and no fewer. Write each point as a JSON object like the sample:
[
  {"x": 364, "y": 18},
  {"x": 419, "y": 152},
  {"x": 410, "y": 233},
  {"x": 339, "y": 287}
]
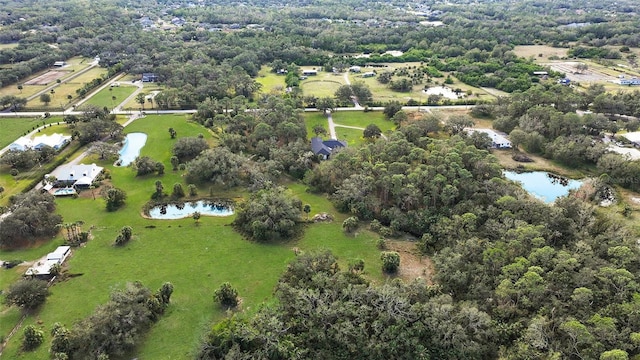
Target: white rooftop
[{"x": 632, "y": 136}]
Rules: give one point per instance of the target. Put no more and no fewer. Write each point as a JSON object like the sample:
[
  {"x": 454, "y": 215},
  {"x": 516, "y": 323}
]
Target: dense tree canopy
[{"x": 32, "y": 216}]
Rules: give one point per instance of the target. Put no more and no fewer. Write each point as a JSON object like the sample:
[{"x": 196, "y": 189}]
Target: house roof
[
  {"x": 318, "y": 146},
  {"x": 77, "y": 172},
  {"x": 54, "y": 140}
]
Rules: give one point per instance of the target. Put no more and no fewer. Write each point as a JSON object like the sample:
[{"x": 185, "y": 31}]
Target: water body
[
  {"x": 131, "y": 148},
  {"x": 184, "y": 210},
  {"x": 543, "y": 185}
]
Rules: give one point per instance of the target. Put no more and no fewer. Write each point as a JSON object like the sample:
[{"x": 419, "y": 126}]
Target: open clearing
[{"x": 528, "y": 51}]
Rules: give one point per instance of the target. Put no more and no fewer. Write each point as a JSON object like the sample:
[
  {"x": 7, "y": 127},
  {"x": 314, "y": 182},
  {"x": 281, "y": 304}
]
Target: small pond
[
  {"x": 131, "y": 148},
  {"x": 543, "y": 185},
  {"x": 187, "y": 209}
]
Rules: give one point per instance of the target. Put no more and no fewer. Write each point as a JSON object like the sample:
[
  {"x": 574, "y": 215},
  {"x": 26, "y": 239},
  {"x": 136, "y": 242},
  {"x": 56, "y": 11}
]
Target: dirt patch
[
  {"x": 535, "y": 51},
  {"x": 412, "y": 265},
  {"x": 46, "y": 78}
]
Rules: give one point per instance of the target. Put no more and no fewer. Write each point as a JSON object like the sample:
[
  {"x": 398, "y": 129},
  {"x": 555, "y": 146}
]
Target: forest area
[{"x": 514, "y": 277}]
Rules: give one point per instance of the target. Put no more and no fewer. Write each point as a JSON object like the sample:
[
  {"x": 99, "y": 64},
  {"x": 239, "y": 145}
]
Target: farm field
[
  {"x": 534, "y": 51},
  {"x": 59, "y": 98},
  {"x": 195, "y": 258}
]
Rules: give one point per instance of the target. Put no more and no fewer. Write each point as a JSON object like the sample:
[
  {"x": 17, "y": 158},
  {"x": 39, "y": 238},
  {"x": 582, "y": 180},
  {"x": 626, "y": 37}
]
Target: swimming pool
[
  {"x": 64, "y": 192},
  {"x": 131, "y": 148}
]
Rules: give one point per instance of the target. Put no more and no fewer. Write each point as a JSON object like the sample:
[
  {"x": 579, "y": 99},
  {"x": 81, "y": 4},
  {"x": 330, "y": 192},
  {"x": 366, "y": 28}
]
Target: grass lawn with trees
[
  {"x": 195, "y": 258},
  {"x": 362, "y": 119},
  {"x": 271, "y": 82},
  {"x": 313, "y": 119},
  {"x": 105, "y": 96}
]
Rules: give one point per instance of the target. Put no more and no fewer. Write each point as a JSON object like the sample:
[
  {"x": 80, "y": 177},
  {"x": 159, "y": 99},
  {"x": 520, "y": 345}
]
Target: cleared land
[
  {"x": 46, "y": 78},
  {"x": 540, "y": 52}
]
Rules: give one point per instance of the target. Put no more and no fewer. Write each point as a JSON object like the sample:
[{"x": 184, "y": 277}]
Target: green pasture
[
  {"x": 195, "y": 258},
  {"x": 315, "y": 118},
  {"x": 13, "y": 128},
  {"x": 353, "y": 137},
  {"x": 105, "y": 96},
  {"x": 363, "y": 119},
  {"x": 321, "y": 86},
  {"x": 272, "y": 83}
]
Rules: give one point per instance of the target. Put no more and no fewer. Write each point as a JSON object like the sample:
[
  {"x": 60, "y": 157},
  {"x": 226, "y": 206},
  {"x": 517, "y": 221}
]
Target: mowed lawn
[
  {"x": 105, "y": 96},
  {"x": 13, "y": 128},
  {"x": 363, "y": 119},
  {"x": 195, "y": 258}
]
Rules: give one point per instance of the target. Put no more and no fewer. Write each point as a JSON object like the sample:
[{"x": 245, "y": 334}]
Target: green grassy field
[
  {"x": 105, "y": 96},
  {"x": 321, "y": 87},
  {"x": 272, "y": 83},
  {"x": 196, "y": 259},
  {"x": 315, "y": 118},
  {"x": 362, "y": 119},
  {"x": 353, "y": 137},
  {"x": 13, "y": 128}
]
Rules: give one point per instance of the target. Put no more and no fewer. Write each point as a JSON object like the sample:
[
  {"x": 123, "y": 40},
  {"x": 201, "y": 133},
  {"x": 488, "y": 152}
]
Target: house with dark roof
[
  {"x": 149, "y": 77},
  {"x": 324, "y": 148}
]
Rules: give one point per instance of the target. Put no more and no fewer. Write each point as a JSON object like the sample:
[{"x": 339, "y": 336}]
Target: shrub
[
  {"x": 350, "y": 224},
  {"x": 390, "y": 261},
  {"x": 227, "y": 295},
  {"x": 33, "y": 337}
]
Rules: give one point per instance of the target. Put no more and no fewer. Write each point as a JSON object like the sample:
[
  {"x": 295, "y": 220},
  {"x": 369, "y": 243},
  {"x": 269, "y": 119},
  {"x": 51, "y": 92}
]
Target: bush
[
  {"x": 390, "y": 261},
  {"x": 227, "y": 295},
  {"x": 350, "y": 224},
  {"x": 33, "y": 337}
]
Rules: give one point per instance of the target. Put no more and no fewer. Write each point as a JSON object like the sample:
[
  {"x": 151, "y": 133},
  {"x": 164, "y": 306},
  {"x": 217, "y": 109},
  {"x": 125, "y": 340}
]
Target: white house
[
  {"x": 355, "y": 69},
  {"x": 498, "y": 141},
  {"x": 21, "y": 144},
  {"x": 76, "y": 175},
  {"x": 56, "y": 141},
  {"x": 42, "y": 268}
]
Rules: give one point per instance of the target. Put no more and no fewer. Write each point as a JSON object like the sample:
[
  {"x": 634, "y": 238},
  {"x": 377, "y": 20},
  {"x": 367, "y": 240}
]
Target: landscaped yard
[{"x": 195, "y": 258}]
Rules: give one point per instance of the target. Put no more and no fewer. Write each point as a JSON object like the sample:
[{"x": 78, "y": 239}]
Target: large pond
[
  {"x": 543, "y": 185},
  {"x": 187, "y": 209},
  {"x": 131, "y": 148}
]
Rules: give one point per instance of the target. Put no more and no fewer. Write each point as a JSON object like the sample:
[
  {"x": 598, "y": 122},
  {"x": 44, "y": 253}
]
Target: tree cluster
[
  {"x": 32, "y": 216},
  {"x": 115, "y": 327},
  {"x": 269, "y": 214},
  {"x": 325, "y": 313}
]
